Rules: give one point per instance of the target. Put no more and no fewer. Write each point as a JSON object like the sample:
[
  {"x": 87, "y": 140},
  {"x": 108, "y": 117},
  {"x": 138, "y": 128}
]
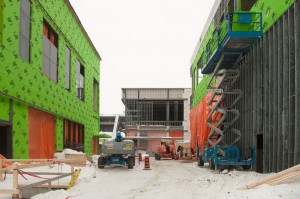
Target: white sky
[{"x": 143, "y": 44}]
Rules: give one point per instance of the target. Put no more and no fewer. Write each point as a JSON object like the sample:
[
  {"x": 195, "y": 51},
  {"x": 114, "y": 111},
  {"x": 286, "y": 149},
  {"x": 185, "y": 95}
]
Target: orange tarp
[
  {"x": 176, "y": 134},
  {"x": 41, "y": 134},
  {"x": 6, "y": 163},
  {"x": 199, "y": 128}
]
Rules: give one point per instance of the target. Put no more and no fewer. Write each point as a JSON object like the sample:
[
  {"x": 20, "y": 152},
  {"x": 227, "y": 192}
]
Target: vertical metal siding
[
  {"x": 270, "y": 105},
  {"x": 280, "y": 94},
  {"x": 297, "y": 82},
  {"x": 291, "y": 65}
]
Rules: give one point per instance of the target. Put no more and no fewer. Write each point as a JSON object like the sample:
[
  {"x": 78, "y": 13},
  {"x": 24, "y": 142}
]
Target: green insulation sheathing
[{"x": 25, "y": 83}]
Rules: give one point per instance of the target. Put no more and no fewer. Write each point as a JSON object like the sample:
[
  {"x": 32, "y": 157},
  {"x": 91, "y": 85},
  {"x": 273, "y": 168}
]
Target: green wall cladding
[
  {"x": 59, "y": 136},
  {"x": 4, "y": 108},
  {"x": 200, "y": 90},
  {"x": 20, "y": 130},
  {"x": 271, "y": 11},
  {"x": 25, "y": 81},
  {"x": 1, "y": 20}
]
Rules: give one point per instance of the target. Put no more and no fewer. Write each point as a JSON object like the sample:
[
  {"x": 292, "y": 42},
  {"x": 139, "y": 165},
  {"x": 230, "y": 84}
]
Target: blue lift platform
[{"x": 235, "y": 35}]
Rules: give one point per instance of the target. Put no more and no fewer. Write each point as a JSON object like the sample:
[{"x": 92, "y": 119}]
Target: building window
[
  {"x": 68, "y": 68},
  {"x": 73, "y": 136},
  {"x": 50, "y": 44},
  {"x": 231, "y": 5},
  {"x": 24, "y": 30},
  {"x": 79, "y": 80},
  {"x": 247, "y": 5},
  {"x": 96, "y": 95},
  {"x": 208, "y": 51},
  {"x": 200, "y": 76},
  {"x": 200, "y": 65}
]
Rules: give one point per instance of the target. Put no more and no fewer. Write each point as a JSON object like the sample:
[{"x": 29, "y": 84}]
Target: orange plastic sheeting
[
  {"x": 41, "y": 134},
  {"x": 193, "y": 128},
  {"x": 5, "y": 164},
  {"x": 95, "y": 145},
  {"x": 199, "y": 128},
  {"x": 176, "y": 134}
]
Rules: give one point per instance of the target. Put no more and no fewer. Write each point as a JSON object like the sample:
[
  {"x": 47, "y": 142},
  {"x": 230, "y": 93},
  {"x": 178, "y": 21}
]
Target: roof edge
[
  {"x": 82, "y": 28},
  {"x": 205, "y": 29}
]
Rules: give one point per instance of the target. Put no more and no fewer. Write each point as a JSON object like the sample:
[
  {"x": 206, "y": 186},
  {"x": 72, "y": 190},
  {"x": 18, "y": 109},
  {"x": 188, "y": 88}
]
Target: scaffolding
[{"x": 154, "y": 107}]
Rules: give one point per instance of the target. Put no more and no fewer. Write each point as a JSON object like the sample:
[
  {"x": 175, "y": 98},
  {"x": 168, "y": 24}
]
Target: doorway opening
[
  {"x": 6, "y": 140},
  {"x": 259, "y": 153}
]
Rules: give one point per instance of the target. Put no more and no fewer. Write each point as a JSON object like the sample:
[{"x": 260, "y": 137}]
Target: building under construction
[
  {"x": 155, "y": 113},
  {"x": 249, "y": 58}
]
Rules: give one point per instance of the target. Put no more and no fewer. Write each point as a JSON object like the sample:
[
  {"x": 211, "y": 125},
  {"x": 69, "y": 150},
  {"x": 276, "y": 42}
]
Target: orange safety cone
[
  {"x": 140, "y": 157},
  {"x": 147, "y": 163}
]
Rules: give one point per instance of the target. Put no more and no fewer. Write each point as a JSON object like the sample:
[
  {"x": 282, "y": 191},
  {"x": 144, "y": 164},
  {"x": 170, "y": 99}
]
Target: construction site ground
[{"x": 166, "y": 179}]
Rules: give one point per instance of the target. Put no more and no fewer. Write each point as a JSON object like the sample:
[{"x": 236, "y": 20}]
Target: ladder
[{"x": 222, "y": 114}]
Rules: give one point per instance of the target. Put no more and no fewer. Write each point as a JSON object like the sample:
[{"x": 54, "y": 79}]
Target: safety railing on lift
[{"x": 235, "y": 24}]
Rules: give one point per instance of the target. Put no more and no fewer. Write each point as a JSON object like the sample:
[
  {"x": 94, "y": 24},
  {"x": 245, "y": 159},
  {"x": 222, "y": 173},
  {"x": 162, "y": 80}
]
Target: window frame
[
  {"x": 68, "y": 76},
  {"x": 50, "y": 52},
  {"x": 73, "y": 135},
  {"x": 21, "y": 34},
  {"x": 80, "y": 77},
  {"x": 96, "y": 98}
]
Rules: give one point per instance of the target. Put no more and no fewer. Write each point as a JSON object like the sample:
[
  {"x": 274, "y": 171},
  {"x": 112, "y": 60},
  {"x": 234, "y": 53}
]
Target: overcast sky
[{"x": 143, "y": 43}]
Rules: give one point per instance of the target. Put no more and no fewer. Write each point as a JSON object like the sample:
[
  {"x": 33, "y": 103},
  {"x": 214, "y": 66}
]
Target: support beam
[{"x": 297, "y": 82}]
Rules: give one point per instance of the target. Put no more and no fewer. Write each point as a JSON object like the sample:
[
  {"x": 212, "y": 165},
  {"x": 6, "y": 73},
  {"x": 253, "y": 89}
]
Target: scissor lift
[{"x": 243, "y": 30}]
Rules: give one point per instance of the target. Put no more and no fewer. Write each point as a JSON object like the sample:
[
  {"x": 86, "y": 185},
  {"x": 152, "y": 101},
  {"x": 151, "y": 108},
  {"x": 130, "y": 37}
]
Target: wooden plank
[
  {"x": 34, "y": 165},
  {"x": 9, "y": 191},
  {"x": 39, "y": 160},
  {"x": 44, "y": 181},
  {"x": 41, "y": 173},
  {"x": 52, "y": 186},
  {"x": 15, "y": 179},
  {"x": 272, "y": 177},
  {"x": 27, "y": 160},
  {"x": 284, "y": 178}
]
